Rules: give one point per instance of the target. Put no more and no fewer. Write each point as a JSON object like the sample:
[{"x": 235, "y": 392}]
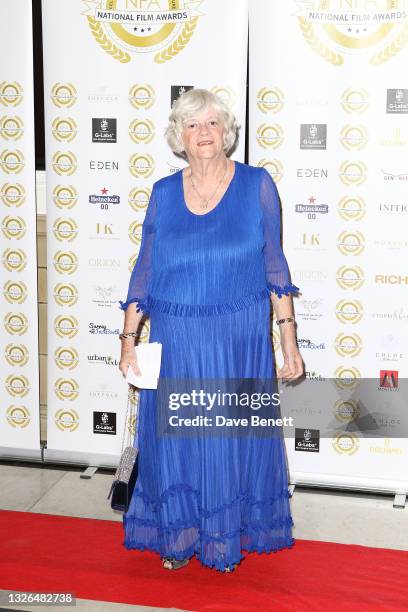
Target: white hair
[{"x": 192, "y": 102}]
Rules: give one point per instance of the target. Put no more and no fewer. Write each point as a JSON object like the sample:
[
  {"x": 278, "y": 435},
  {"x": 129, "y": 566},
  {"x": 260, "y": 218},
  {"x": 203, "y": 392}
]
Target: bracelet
[
  {"x": 127, "y": 335},
  {"x": 287, "y": 320}
]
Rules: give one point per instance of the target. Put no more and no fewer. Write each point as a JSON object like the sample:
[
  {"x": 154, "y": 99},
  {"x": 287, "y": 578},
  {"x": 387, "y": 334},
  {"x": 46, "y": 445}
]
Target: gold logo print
[
  {"x": 16, "y": 354},
  {"x": 65, "y": 229},
  {"x": 351, "y": 208},
  {"x": 145, "y": 331},
  {"x": 347, "y": 378},
  {"x": 14, "y": 260},
  {"x": 225, "y": 93},
  {"x": 354, "y": 137},
  {"x": 132, "y": 262},
  {"x": 11, "y": 128},
  {"x": 142, "y": 96},
  {"x": 350, "y": 277},
  {"x": 66, "y": 389},
  {"x": 65, "y": 294},
  {"x": 122, "y": 27},
  {"x": 270, "y": 136},
  {"x": 139, "y": 198},
  {"x": 66, "y": 358},
  {"x": 141, "y": 165},
  {"x": 15, "y": 292},
  {"x": 13, "y": 227},
  {"x": 66, "y": 419},
  {"x": 355, "y": 100},
  {"x": 349, "y": 311},
  {"x": 64, "y": 95},
  {"x": 346, "y": 411},
  {"x": 270, "y": 100},
  {"x": 64, "y": 129},
  {"x": 345, "y": 443},
  {"x": 141, "y": 131},
  {"x": 64, "y": 163},
  {"x": 135, "y": 232},
  {"x": 274, "y": 167},
  {"x": 353, "y": 172},
  {"x": 333, "y": 27},
  {"x": 17, "y": 385},
  {"x": 351, "y": 243},
  {"x": 65, "y": 262},
  {"x": 65, "y": 196},
  {"x": 66, "y": 326},
  {"x": 18, "y": 416},
  {"x": 348, "y": 345},
  {"x": 11, "y": 94},
  {"x": 12, "y": 162},
  {"x": 12, "y": 194},
  {"x": 16, "y": 323},
  {"x": 276, "y": 340}
]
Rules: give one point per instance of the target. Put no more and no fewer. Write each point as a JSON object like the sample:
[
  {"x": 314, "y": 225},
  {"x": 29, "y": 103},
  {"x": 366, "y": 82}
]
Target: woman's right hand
[{"x": 128, "y": 359}]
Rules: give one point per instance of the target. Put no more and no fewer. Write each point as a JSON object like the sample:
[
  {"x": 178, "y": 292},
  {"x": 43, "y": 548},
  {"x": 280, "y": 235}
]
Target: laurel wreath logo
[
  {"x": 179, "y": 44},
  {"x": 322, "y": 50},
  {"x": 392, "y": 49},
  {"x": 106, "y": 44}
]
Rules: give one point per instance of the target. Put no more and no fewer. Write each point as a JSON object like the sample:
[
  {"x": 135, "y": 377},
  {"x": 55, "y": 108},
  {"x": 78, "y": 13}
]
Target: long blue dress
[{"x": 205, "y": 282}]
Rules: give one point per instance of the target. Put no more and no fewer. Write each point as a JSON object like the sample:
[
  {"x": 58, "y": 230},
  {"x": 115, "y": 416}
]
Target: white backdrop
[
  {"x": 20, "y": 429},
  {"x": 328, "y": 119},
  {"x": 109, "y": 77}
]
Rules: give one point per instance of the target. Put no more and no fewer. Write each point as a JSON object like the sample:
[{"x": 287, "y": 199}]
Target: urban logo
[
  {"x": 104, "y": 130},
  {"x": 104, "y": 423},
  {"x": 307, "y": 440},
  {"x": 397, "y": 101},
  {"x": 313, "y": 136}
]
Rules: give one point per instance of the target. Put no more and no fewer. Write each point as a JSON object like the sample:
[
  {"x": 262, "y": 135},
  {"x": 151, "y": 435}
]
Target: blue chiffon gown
[{"x": 205, "y": 283}]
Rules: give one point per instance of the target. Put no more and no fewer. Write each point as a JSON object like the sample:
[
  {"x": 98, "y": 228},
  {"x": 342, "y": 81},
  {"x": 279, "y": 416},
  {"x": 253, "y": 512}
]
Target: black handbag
[{"x": 126, "y": 473}]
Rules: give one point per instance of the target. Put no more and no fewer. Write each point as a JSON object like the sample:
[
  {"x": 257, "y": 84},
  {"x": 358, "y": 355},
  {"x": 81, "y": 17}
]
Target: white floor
[{"x": 331, "y": 516}]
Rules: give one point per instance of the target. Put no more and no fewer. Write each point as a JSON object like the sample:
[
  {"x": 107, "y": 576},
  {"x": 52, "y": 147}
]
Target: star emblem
[
  {"x": 312, "y": 200},
  {"x": 104, "y": 191}
]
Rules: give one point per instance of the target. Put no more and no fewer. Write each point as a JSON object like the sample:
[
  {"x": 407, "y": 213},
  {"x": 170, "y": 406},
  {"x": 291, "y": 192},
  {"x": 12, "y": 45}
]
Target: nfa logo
[
  {"x": 66, "y": 389},
  {"x": 351, "y": 208},
  {"x": 135, "y": 232},
  {"x": 142, "y": 96},
  {"x": 63, "y": 95},
  {"x": 16, "y": 354},
  {"x": 270, "y": 136},
  {"x": 13, "y": 227},
  {"x": 11, "y": 128},
  {"x": 312, "y": 209},
  {"x": 162, "y": 27},
  {"x": 141, "y": 165},
  {"x": 104, "y": 130},
  {"x": 350, "y": 277},
  {"x": 64, "y": 129},
  {"x": 270, "y": 100},
  {"x": 348, "y": 345},
  {"x": 350, "y": 243},
  {"x": 65, "y": 262},
  {"x": 17, "y": 385},
  {"x": 139, "y": 198},
  {"x": 18, "y": 416},
  {"x": 313, "y": 136},
  {"x": 104, "y": 199},
  {"x": 64, "y": 163},
  {"x": 11, "y": 94},
  {"x": 273, "y": 166},
  {"x": 226, "y": 94},
  {"x": 141, "y": 131},
  {"x": 12, "y": 194},
  {"x": 347, "y": 378},
  {"x": 389, "y": 380},
  {"x": 16, "y": 323},
  {"x": 14, "y": 260},
  {"x": 353, "y": 172},
  {"x": 66, "y": 357},
  {"x": 355, "y": 28},
  {"x": 15, "y": 292},
  {"x": 355, "y": 101},
  {"x": 65, "y": 229},
  {"x": 12, "y": 162},
  {"x": 346, "y": 411},
  {"x": 65, "y": 294},
  {"x": 67, "y": 419},
  {"x": 349, "y": 311},
  {"x": 345, "y": 443},
  {"x": 65, "y": 196},
  {"x": 354, "y": 137},
  {"x": 66, "y": 326},
  {"x": 397, "y": 101}
]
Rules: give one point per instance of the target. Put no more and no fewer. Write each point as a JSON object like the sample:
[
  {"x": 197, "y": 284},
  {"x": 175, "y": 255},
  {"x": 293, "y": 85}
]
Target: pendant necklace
[{"x": 206, "y": 202}]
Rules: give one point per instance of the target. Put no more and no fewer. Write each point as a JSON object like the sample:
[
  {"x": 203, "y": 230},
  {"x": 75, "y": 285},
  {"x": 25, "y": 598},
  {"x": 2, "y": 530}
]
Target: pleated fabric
[{"x": 205, "y": 282}]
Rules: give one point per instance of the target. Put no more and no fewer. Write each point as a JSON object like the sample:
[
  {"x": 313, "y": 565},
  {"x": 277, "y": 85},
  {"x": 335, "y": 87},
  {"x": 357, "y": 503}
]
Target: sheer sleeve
[
  {"x": 276, "y": 266},
  {"x": 139, "y": 283}
]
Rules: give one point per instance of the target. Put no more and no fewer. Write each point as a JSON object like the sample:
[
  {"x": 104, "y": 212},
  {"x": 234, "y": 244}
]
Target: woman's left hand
[{"x": 293, "y": 366}]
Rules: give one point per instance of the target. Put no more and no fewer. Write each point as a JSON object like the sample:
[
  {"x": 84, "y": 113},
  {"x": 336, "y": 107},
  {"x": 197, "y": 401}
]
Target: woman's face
[{"x": 203, "y": 135}]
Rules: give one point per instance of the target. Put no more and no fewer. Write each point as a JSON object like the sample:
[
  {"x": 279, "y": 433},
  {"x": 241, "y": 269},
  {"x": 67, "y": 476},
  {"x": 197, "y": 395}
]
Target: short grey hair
[{"x": 191, "y": 102}]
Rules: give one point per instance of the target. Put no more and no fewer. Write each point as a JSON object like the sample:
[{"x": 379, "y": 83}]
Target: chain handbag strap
[{"x": 133, "y": 399}]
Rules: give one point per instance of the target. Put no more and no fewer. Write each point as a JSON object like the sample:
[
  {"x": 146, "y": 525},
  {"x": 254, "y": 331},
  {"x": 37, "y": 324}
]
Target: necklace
[{"x": 203, "y": 200}]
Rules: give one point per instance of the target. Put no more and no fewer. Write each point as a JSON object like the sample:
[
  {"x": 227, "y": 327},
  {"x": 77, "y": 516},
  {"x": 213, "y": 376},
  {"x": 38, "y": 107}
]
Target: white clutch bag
[{"x": 149, "y": 359}]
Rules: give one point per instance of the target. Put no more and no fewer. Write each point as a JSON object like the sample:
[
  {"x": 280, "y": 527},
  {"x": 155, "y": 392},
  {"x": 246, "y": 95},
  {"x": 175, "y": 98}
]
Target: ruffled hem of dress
[
  {"x": 286, "y": 290},
  {"x": 141, "y": 306}
]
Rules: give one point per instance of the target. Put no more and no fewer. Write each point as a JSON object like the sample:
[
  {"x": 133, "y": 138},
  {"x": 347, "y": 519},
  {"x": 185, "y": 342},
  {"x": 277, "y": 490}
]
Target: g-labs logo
[
  {"x": 104, "y": 130},
  {"x": 313, "y": 136},
  {"x": 104, "y": 423},
  {"x": 307, "y": 440}
]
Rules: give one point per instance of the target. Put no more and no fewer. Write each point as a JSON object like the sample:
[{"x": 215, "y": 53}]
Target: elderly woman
[{"x": 209, "y": 262}]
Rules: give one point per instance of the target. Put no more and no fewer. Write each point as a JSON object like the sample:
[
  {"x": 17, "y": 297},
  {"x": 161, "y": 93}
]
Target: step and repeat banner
[
  {"x": 112, "y": 70},
  {"x": 20, "y": 413},
  {"x": 328, "y": 119}
]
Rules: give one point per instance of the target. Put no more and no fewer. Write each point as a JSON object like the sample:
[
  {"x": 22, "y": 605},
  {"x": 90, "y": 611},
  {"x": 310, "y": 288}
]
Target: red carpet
[{"x": 41, "y": 552}]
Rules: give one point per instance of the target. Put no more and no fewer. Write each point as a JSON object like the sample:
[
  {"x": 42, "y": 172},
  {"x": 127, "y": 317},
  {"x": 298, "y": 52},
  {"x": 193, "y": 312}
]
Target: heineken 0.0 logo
[{"x": 123, "y": 28}]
